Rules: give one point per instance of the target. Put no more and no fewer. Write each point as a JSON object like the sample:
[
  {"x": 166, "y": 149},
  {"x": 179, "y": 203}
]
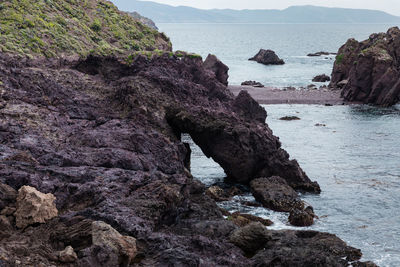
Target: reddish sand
[{"x": 268, "y": 95}]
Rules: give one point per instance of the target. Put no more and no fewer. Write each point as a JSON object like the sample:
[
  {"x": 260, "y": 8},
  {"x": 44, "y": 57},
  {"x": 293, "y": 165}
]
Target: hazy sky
[{"x": 390, "y": 6}]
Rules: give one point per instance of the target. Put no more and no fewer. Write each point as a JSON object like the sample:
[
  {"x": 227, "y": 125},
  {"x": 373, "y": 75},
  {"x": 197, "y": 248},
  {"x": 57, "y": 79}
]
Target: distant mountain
[{"x": 295, "y": 14}]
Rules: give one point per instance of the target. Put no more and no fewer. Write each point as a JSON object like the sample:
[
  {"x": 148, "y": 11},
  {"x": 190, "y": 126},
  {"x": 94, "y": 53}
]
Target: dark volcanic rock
[
  {"x": 305, "y": 248},
  {"x": 274, "y": 193},
  {"x": 368, "y": 71},
  {"x": 241, "y": 219},
  {"x": 267, "y": 57},
  {"x": 302, "y": 218},
  {"x": 252, "y": 83},
  {"x": 251, "y": 237},
  {"x": 103, "y": 137},
  {"x": 220, "y": 69},
  {"x": 245, "y": 105},
  {"x": 321, "y": 78}
]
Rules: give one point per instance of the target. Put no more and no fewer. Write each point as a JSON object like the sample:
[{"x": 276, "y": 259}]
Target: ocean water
[
  {"x": 356, "y": 160},
  {"x": 234, "y": 44}
]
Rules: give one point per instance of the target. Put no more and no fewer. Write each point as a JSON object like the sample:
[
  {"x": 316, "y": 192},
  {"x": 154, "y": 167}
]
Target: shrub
[
  {"x": 339, "y": 59},
  {"x": 96, "y": 25}
]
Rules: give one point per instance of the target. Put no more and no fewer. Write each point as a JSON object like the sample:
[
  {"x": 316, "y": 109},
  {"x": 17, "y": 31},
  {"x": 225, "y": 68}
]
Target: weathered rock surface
[
  {"x": 368, "y": 71},
  {"x": 321, "y": 78},
  {"x": 104, "y": 138},
  {"x": 302, "y": 218},
  {"x": 68, "y": 255},
  {"x": 252, "y": 83},
  {"x": 217, "y": 67},
  {"x": 275, "y": 193},
  {"x": 7, "y": 195},
  {"x": 34, "y": 207},
  {"x": 251, "y": 237},
  {"x": 241, "y": 219},
  {"x": 305, "y": 248},
  {"x": 267, "y": 57}
]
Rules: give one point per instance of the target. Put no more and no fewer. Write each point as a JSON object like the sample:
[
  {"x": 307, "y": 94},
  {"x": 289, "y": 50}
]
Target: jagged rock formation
[
  {"x": 220, "y": 69},
  {"x": 103, "y": 137},
  {"x": 368, "y": 71},
  {"x": 102, "y": 134},
  {"x": 267, "y": 57}
]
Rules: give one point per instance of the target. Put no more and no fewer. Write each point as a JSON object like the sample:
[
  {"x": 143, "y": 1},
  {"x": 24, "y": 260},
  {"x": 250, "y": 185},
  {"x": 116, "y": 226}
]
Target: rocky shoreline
[
  {"x": 105, "y": 142},
  {"x": 269, "y": 95},
  {"x": 93, "y": 169}
]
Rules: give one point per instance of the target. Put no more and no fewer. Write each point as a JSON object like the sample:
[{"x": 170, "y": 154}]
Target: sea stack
[
  {"x": 267, "y": 57},
  {"x": 369, "y": 71}
]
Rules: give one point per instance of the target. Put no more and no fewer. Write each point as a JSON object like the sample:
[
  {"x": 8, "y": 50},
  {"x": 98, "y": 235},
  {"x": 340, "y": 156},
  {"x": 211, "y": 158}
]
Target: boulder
[
  {"x": 68, "y": 255},
  {"x": 321, "y": 78},
  {"x": 223, "y": 193},
  {"x": 274, "y": 193},
  {"x": 371, "y": 69},
  {"x": 306, "y": 248},
  {"x": 251, "y": 237},
  {"x": 267, "y": 57},
  {"x": 241, "y": 219},
  {"x": 34, "y": 207},
  {"x": 252, "y": 83},
  {"x": 106, "y": 237},
  {"x": 216, "y": 66},
  {"x": 302, "y": 218}
]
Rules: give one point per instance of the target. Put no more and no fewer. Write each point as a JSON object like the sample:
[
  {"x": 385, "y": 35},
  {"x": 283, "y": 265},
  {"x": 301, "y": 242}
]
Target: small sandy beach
[{"x": 269, "y": 95}]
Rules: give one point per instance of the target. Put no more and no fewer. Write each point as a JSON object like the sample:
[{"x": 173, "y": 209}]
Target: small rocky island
[
  {"x": 267, "y": 57},
  {"x": 93, "y": 170},
  {"x": 368, "y": 71}
]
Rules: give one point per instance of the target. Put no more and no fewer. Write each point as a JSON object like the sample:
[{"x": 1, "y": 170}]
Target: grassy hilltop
[{"x": 66, "y": 27}]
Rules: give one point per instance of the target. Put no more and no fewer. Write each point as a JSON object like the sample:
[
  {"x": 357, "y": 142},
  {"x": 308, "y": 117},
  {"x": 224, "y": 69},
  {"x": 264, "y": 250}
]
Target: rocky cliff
[
  {"x": 93, "y": 171},
  {"x": 368, "y": 71}
]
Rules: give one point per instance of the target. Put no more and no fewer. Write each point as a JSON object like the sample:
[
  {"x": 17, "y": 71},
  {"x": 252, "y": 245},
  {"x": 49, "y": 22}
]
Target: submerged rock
[
  {"x": 321, "y": 78},
  {"x": 218, "y": 68},
  {"x": 34, "y": 207},
  {"x": 368, "y": 71},
  {"x": 290, "y": 118},
  {"x": 322, "y": 53},
  {"x": 267, "y": 57},
  {"x": 275, "y": 193}
]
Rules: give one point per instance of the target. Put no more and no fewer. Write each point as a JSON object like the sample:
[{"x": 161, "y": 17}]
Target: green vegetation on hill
[{"x": 66, "y": 27}]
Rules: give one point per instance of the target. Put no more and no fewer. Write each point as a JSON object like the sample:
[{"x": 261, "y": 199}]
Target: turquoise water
[
  {"x": 356, "y": 160},
  {"x": 234, "y": 44}
]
